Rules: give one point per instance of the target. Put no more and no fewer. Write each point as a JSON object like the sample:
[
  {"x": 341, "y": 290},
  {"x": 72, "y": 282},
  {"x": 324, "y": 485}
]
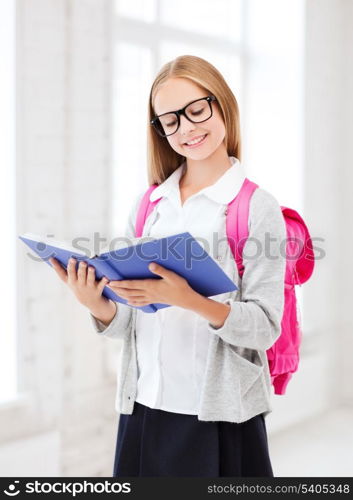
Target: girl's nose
[{"x": 186, "y": 126}]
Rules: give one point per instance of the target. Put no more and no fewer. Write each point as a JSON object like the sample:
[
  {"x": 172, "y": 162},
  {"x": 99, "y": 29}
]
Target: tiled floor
[{"x": 320, "y": 447}]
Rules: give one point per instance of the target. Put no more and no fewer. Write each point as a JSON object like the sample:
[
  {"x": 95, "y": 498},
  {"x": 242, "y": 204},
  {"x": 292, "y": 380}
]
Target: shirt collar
[{"x": 223, "y": 190}]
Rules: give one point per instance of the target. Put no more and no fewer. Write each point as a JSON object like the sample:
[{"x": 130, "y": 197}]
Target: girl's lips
[{"x": 197, "y": 144}]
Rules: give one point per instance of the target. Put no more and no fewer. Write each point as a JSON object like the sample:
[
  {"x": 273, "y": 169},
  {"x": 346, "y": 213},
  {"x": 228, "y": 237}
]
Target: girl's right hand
[{"x": 83, "y": 283}]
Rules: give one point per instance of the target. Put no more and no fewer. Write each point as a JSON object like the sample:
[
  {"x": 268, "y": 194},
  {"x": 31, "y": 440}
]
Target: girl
[{"x": 194, "y": 385}]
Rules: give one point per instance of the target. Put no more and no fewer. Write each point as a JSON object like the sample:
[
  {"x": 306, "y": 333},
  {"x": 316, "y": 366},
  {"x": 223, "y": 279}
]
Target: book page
[{"x": 63, "y": 244}]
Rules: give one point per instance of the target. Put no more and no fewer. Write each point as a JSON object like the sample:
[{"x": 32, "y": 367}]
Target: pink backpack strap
[
  {"x": 145, "y": 208},
  {"x": 237, "y": 221}
]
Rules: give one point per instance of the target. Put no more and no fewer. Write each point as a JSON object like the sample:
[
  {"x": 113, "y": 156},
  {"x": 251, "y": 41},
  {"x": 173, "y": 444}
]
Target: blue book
[{"x": 180, "y": 253}]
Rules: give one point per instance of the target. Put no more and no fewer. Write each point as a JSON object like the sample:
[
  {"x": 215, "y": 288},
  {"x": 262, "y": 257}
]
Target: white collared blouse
[{"x": 172, "y": 344}]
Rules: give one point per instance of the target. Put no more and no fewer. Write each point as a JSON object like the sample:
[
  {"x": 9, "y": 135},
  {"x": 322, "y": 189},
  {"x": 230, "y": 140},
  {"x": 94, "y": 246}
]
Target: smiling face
[{"x": 175, "y": 93}]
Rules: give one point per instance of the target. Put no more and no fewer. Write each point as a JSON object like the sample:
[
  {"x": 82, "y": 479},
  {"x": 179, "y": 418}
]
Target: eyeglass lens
[{"x": 198, "y": 111}]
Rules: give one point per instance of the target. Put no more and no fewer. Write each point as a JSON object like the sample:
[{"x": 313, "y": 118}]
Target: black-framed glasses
[{"x": 196, "y": 111}]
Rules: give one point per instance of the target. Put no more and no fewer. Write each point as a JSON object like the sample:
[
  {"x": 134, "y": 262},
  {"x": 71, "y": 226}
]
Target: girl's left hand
[{"x": 172, "y": 289}]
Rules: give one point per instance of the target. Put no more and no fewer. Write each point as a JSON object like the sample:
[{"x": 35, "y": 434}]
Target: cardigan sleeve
[
  {"x": 122, "y": 321},
  {"x": 254, "y": 321}
]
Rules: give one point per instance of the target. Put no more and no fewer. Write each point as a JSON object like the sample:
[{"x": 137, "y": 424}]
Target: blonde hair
[{"x": 162, "y": 160}]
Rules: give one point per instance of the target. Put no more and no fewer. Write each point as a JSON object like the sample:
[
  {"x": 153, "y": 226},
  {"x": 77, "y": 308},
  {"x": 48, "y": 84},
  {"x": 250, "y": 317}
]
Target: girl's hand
[
  {"x": 83, "y": 283},
  {"x": 172, "y": 289}
]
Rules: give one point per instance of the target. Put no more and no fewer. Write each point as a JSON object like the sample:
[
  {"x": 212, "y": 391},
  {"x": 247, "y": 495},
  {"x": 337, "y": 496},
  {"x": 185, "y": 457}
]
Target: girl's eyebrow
[{"x": 173, "y": 110}]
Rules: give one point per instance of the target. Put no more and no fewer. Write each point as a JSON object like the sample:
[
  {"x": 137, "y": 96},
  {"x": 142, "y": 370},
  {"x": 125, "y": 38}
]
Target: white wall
[
  {"x": 344, "y": 244},
  {"x": 63, "y": 117},
  {"x": 328, "y": 184}
]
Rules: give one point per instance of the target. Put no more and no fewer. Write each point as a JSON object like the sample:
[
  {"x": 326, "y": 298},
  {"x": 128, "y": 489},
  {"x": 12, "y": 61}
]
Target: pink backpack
[{"x": 283, "y": 355}]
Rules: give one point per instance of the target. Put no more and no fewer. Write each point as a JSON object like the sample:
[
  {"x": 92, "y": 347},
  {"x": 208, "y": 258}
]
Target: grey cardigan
[{"x": 237, "y": 383}]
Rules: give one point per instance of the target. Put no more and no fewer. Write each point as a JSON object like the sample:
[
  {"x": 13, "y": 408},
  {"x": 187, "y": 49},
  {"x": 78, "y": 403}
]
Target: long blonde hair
[{"x": 162, "y": 160}]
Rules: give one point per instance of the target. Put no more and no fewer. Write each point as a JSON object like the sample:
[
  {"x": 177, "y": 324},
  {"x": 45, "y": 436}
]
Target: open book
[{"x": 180, "y": 253}]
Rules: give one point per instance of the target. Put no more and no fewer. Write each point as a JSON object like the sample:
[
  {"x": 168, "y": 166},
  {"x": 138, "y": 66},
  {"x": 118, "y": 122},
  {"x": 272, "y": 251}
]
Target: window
[{"x": 133, "y": 69}]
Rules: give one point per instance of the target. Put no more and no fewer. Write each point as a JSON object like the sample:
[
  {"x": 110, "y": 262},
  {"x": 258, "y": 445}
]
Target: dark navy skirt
[{"x": 153, "y": 442}]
